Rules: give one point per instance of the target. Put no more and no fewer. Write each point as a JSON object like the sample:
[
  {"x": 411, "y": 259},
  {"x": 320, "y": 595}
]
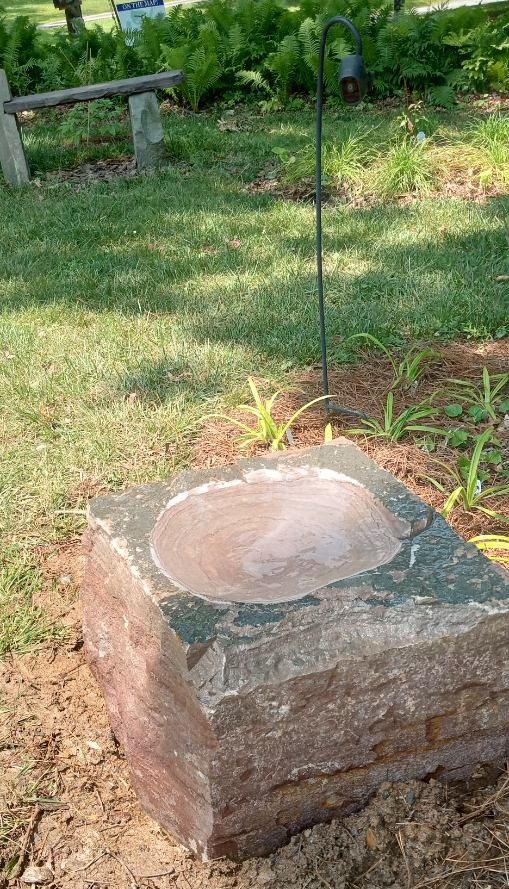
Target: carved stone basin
[{"x": 274, "y": 535}]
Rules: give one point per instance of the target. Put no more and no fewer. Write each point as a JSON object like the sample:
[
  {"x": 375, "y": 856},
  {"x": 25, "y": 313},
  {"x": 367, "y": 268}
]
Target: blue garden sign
[{"x": 131, "y": 15}]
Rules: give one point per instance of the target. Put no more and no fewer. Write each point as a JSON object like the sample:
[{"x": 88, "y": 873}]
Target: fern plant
[
  {"x": 270, "y": 47},
  {"x": 255, "y": 80},
  {"x": 19, "y": 53},
  {"x": 202, "y": 68},
  {"x": 283, "y": 64},
  {"x": 483, "y": 53}
]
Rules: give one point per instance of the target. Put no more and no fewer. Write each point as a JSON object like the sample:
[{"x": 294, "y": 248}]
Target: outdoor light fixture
[{"x": 353, "y": 82}]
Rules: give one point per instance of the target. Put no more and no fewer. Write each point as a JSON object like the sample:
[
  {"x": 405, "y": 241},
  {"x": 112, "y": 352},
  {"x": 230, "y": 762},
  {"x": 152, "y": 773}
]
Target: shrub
[{"x": 483, "y": 54}]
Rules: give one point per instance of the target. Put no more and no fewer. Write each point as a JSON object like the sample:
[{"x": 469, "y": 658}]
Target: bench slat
[{"x": 130, "y": 87}]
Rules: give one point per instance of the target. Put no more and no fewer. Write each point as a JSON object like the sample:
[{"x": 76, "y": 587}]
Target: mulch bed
[
  {"x": 364, "y": 387},
  {"x": 460, "y": 185},
  {"x": 99, "y": 171}
]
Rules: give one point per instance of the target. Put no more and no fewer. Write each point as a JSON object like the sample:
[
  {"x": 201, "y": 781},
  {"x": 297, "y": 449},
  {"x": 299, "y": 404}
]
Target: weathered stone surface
[
  {"x": 12, "y": 154},
  {"x": 148, "y": 136},
  {"x": 274, "y": 537},
  {"x": 246, "y": 721}
]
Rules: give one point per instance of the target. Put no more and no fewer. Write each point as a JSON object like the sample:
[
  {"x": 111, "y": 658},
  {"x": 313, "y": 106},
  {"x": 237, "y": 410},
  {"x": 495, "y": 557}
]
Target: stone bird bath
[{"x": 275, "y": 639}]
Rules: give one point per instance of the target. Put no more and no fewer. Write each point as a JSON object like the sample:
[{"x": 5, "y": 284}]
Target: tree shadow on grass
[{"x": 226, "y": 267}]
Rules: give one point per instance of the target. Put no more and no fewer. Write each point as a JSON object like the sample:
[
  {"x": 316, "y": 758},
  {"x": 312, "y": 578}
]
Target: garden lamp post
[{"x": 353, "y": 82}]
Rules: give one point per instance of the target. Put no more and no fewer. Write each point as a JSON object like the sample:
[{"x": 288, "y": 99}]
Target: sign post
[{"x": 130, "y": 15}]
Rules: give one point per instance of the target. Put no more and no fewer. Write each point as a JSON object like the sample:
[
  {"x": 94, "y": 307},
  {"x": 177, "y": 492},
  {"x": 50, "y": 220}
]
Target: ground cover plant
[
  {"x": 484, "y": 400},
  {"x": 468, "y": 489},
  {"x": 133, "y": 308}
]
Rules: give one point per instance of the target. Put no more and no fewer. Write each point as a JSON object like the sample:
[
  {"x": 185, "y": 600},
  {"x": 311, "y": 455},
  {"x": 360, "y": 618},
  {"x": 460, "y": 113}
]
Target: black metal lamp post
[{"x": 353, "y": 82}]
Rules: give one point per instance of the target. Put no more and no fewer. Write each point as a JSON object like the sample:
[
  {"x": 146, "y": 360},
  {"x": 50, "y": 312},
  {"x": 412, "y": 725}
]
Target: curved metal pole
[{"x": 336, "y": 20}]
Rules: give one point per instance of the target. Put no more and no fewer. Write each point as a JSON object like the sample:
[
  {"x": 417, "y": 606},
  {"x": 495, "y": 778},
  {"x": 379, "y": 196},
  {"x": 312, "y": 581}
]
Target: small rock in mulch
[{"x": 34, "y": 876}]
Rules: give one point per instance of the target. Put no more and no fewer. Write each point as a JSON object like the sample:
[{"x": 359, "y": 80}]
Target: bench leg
[
  {"x": 148, "y": 136},
  {"x": 12, "y": 154}
]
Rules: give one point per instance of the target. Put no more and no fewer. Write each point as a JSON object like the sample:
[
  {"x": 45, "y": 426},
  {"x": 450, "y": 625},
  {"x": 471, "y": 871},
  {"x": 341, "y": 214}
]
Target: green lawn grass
[
  {"x": 44, "y": 11},
  {"x": 22, "y": 624},
  {"x": 131, "y": 309}
]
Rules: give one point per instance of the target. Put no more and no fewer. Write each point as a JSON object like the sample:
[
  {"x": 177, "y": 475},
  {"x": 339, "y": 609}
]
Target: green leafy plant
[
  {"x": 394, "y": 427},
  {"x": 457, "y": 438},
  {"x": 416, "y": 118},
  {"x": 20, "y": 50},
  {"x": 96, "y": 120},
  {"x": 482, "y": 48},
  {"x": 267, "y": 430},
  {"x": 410, "y": 368},
  {"x": 494, "y": 546},
  {"x": 453, "y": 410},
  {"x": 283, "y": 63},
  {"x": 483, "y": 401},
  {"x": 442, "y": 95},
  {"x": 469, "y": 492},
  {"x": 410, "y": 51}
]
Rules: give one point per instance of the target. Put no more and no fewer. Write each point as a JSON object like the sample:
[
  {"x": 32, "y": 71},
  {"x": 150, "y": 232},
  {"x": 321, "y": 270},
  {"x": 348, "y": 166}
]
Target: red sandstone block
[{"x": 282, "y": 691}]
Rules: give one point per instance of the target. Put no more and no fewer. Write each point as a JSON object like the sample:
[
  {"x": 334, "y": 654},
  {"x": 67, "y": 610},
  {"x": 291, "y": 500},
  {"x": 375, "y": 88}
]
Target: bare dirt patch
[
  {"x": 66, "y": 804},
  {"x": 65, "y": 783},
  {"x": 105, "y": 170}
]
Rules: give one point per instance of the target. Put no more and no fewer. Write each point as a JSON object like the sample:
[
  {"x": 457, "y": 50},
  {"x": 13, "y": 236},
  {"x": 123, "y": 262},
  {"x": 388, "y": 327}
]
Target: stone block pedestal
[
  {"x": 147, "y": 130},
  {"x": 12, "y": 154},
  {"x": 276, "y": 639}
]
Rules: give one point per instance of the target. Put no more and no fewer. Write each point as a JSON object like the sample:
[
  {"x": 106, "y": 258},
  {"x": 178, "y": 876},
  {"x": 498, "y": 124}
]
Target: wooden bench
[{"x": 143, "y": 110}]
